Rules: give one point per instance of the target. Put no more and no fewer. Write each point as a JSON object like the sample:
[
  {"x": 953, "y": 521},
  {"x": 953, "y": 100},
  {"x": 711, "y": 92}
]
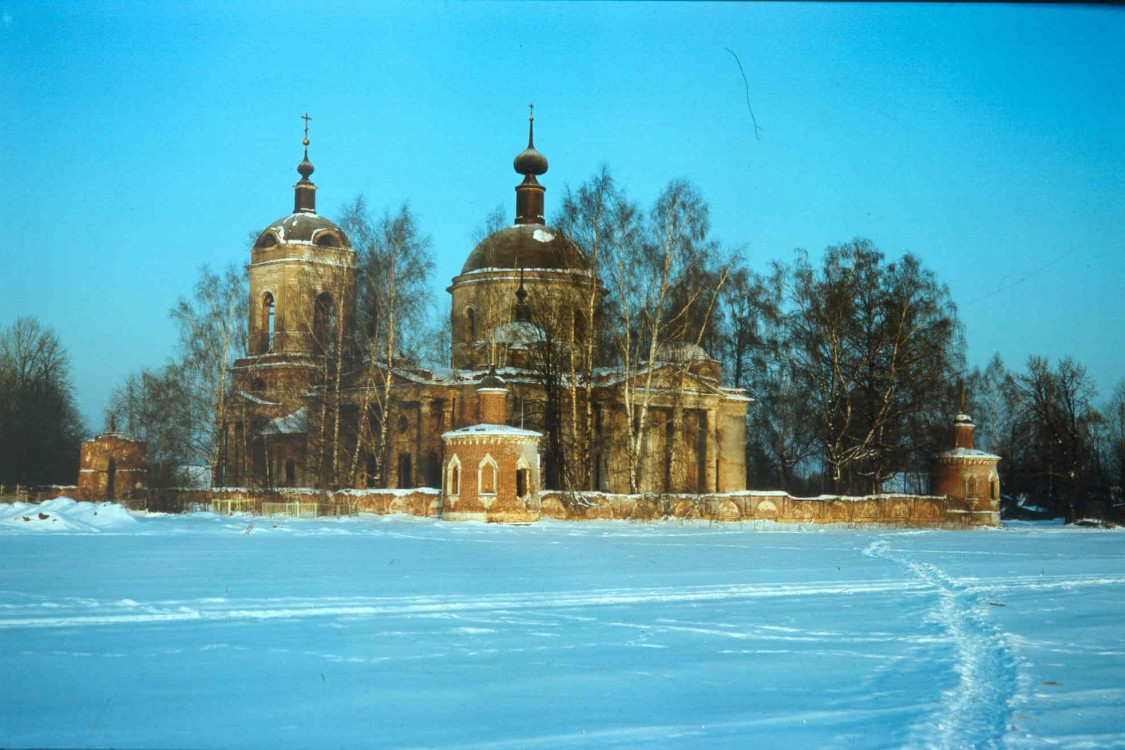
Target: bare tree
[
  {"x": 599, "y": 218},
  {"x": 1056, "y": 423},
  {"x": 660, "y": 298},
  {"x": 781, "y": 432},
  {"x": 211, "y": 323},
  {"x": 1114, "y": 442},
  {"x": 394, "y": 265},
  {"x": 155, "y": 407},
  {"x": 873, "y": 343}
]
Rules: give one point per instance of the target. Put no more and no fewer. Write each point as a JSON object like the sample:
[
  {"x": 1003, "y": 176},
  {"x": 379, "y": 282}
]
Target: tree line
[{"x": 855, "y": 361}]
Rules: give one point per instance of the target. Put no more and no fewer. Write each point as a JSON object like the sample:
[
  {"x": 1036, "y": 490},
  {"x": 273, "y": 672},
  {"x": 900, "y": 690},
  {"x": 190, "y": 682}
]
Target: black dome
[
  {"x": 530, "y": 161},
  {"x": 529, "y": 246},
  {"x": 304, "y": 228}
]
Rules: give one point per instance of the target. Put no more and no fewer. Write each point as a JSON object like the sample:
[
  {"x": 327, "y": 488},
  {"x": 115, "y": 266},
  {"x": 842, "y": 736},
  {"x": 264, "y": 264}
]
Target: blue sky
[{"x": 143, "y": 141}]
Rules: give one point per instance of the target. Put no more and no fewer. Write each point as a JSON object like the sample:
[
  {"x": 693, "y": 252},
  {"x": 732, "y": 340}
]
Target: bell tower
[{"x": 302, "y": 279}]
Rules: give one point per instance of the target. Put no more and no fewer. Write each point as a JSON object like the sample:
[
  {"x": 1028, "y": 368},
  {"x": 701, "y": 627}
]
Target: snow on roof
[
  {"x": 967, "y": 453},
  {"x": 516, "y": 277},
  {"x": 257, "y": 400},
  {"x": 291, "y": 424},
  {"x": 518, "y": 333},
  {"x": 490, "y": 429}
]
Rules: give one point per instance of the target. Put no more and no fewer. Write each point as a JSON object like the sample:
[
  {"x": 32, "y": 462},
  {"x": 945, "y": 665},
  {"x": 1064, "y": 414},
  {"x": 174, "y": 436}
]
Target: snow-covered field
[{"x": 206, "y": 631}]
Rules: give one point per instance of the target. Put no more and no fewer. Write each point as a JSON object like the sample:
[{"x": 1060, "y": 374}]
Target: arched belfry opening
[
  {"x": 268, "y": 322},
  {"x": 324, "y": 324}
]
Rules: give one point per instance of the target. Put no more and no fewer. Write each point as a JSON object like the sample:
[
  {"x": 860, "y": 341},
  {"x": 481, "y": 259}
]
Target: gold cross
[{"x": 306, "y": 118}]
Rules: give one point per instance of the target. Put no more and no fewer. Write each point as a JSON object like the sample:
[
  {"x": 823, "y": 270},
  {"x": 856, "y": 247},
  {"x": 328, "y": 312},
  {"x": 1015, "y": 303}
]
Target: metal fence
[
  {"x": 232, "y": 505},
  {"x": 298, "y": 509},
  {"x": 16, "y": 493}
]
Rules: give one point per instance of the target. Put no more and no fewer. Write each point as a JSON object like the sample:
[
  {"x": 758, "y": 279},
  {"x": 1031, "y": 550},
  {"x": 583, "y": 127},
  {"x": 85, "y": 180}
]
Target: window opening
[
  {"x": 405, "y": 480},
  {"x": 111, "y": 478},
  {"x": 453, "y": 485},
  {"x": 324, "y": 324},
  {"x": 486, "y": 479},
  {"x": 268, "y": 318}
]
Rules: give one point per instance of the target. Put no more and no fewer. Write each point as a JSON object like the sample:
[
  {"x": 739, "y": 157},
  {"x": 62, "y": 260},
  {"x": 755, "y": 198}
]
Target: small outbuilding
[
  {"x": 491, "y": 470},
  {"x": 111, "y": 466},
  {"x": 969, "y": 476}
]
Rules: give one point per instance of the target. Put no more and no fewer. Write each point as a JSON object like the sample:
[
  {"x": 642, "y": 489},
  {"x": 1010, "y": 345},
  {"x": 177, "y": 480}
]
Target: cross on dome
[{"x": 306, "y": 118}]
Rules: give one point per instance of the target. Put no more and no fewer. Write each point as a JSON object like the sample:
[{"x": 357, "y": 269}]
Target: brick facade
[
  {"x": 111, "y": 466},
  {"x": 967, "y": 476}
]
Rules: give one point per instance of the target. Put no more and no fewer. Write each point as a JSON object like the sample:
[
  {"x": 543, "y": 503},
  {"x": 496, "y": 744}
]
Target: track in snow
[{"x": 975, "y": 713}]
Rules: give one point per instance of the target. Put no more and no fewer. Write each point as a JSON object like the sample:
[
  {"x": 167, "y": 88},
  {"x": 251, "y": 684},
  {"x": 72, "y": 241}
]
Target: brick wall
[{"x": 899, "y": 510}]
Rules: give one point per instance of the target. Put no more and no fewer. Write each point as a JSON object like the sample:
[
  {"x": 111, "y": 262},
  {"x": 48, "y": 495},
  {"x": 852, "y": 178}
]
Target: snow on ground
[
  {"x": 64, "y": 514},
  {"x": 211, "y": 631}
]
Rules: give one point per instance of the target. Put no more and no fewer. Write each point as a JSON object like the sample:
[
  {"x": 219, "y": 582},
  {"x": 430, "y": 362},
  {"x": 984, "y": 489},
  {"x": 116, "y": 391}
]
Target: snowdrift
[{"x": 65, "y": 514}]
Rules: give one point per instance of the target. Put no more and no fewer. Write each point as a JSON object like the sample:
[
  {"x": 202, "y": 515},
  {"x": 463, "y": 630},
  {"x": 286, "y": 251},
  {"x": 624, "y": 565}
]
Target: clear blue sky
[{"x": 142, "y": 141}]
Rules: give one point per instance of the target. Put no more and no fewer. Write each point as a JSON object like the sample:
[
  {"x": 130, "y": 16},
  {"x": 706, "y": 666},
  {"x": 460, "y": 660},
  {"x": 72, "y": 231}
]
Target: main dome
[{"x": 530, "y": 246}]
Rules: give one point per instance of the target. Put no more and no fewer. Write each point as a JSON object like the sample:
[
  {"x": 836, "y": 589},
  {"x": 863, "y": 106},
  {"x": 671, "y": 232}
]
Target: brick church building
[{"x": 304, "y": 407}]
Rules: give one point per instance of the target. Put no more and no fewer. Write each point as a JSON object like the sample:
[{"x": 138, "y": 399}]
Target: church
[{"x": 311, "y": 407}]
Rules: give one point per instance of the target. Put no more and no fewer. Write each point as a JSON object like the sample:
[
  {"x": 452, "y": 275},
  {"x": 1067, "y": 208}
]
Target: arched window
[
  {"x": 268, "y": 318},
  {"x": 579, "y": 326},
  {"x": 327, "y": 239},
  {"x": 453, "y": 477},
  {"x": 994, "y": 481},
  {"x": 324, "y": 324},
  {"x": 523, "y": 478},
  {"x": 267, "y": 239},
  {"x": 486, "y": 476},
  {"x": 471, "y": 323}
]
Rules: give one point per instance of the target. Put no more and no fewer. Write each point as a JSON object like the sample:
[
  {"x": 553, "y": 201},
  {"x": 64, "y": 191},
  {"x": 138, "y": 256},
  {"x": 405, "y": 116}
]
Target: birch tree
[
  {"x": 393, "y": 269},
  {"x": 660, "y": 297},
  {"x": 602, "y": 222},
  {"x": 212, "y": 323}
]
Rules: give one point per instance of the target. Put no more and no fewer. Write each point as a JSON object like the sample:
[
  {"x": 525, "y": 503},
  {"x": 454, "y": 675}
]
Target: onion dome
[
  {"x": 304, "y": 192},
  {"x": 522, "y": 310},
  {"x": 529, "y": 193},
  {"x": 530, "y": 162},
  {"x": 492, "y": 381}
]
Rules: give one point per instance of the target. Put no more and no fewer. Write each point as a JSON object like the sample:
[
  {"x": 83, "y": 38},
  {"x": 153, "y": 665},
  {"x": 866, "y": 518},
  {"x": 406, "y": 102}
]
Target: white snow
[
  {"x": 64, "y": 514},
  {"x": 213, "y": 631},
  {"x": 968, "y": 453},
  {"x": 296, "y": 423},
  {"x": 542, "y": 235},
  {"x": 490, "y": 429}
]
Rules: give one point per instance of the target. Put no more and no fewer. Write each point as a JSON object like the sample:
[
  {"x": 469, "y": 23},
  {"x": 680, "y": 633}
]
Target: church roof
[
  {"x": 530, "y": 246},
  {"x": 967, "y": 453},
  {"x": 303, "y": 228},
  {"x": 498, "y": 430}
]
